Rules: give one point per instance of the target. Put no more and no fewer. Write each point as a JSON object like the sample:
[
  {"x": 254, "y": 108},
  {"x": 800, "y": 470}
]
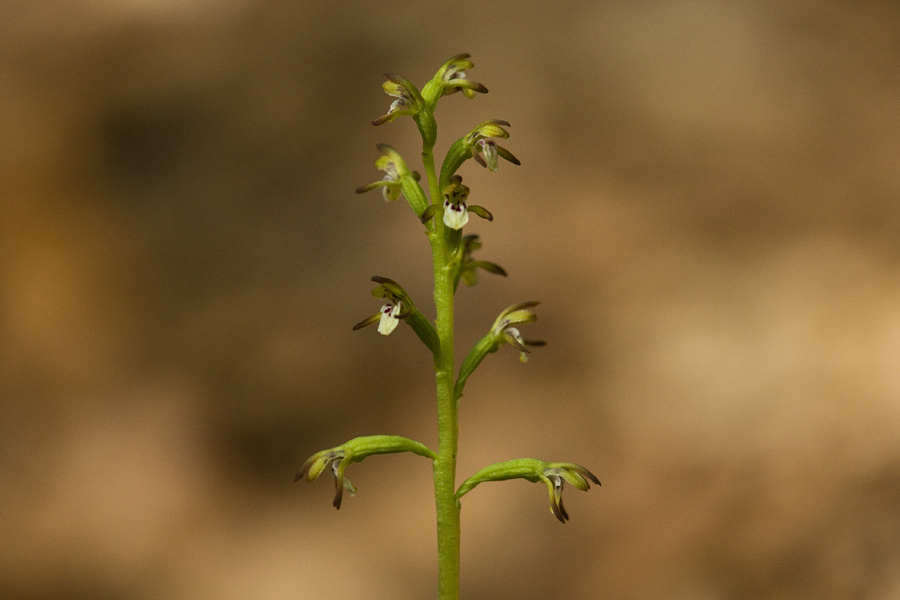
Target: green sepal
[{"x": 391, "y": 290}]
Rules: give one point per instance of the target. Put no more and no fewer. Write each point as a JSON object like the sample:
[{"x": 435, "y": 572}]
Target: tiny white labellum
[
  {"x": 455, "y": 215},
  {"x": 515, "y": 334},
  {"x": 388, "y": 320}
]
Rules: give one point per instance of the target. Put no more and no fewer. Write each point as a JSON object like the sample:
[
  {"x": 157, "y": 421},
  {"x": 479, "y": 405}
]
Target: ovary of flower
[
  {"x": 388, "y": 320},
  {"x": 455, "y": 215},
  {"x": 391, "y": 191}
]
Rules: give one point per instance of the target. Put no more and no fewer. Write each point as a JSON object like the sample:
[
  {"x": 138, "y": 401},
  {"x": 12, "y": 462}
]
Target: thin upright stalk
[{"x": 448, "y": 530}]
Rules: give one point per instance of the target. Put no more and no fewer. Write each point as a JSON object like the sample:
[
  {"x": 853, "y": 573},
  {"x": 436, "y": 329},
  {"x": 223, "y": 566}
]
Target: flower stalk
[{"x": 444, "y": 211}]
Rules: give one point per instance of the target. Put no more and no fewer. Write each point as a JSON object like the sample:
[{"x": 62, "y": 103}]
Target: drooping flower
[
  {"x": 454, "y": 207},
  {"x": 554, "y": 475},
  {"x": 478, "y": 144},
  {"x": 395, "y": 170},
  {"x": 398, "y": 305},
  {"x": 390, "y": 317},
  {"x": 505, "y": 327},
  {"x": 452, "y": 75},
  {"x": 468, "y": 266},
  {"x": 338, "y": 459},
  {"x": 356, "y": 450},
  {"x": 408, "y": 100},
  {"x": 484, "y": 149}
]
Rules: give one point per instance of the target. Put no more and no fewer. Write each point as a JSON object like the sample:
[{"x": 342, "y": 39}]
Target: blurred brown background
[{"x": 707, "y": 209}]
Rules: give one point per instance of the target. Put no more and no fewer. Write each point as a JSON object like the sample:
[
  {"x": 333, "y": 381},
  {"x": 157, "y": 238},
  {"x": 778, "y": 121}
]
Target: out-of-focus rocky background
[{"x": 707, "y": 208}]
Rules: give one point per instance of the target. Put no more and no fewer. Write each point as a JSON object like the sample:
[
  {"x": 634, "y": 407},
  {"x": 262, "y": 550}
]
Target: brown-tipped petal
[
  {"x": 562, "y": 510},
  {"x": 481, "y": 212},
  {"x": 584, "y": 472},
  {"x": 384, "y": 280},
  {"x": 304, "y": 469},
  {"x": 371, "y": 186},
  {"x": 556, "y": 502},
  {"x": 488, "y": 266},
  {"x": 429, "y": 212},
  {"x": 466, "y": 84},
  {"x": 367, "y": 321},
  {"x": 338, "y": 493},
  {"x": 508, "y": 155},
  {"x": 520, "y": 306},
  {"x": 478, "y": 158},
  {"x": 462, "y": 56},
  {"x": 515, "y": 343}
]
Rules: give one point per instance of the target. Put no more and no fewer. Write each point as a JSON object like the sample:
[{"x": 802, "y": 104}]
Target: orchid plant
[{"x": 444, "y": 212}]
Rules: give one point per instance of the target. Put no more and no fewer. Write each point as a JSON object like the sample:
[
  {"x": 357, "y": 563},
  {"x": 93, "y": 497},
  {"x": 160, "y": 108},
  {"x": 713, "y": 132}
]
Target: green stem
[{"x": 447, "y": 406}]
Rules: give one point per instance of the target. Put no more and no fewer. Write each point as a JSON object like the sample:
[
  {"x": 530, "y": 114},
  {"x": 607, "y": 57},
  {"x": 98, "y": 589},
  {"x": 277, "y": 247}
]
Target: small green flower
[
  {"x": 453, "y": 78},
  {"x": 468, "y": 267},
  {"x": 398, "y": 306},
  {"x": 484, "y": 149},
  {"x": 456, "y": 213},
  {"x": 356, "y": 450},
  {"x": 338, "y": 459},
  {"x": 479, "y": 145},
  {"x": 454, "y": 207},
  {"x": 554, "y": 475},
  {"x": 505, "y": 327},
  {"x": 395, "y": 170},
  {"x": 408, "y": 99}
]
